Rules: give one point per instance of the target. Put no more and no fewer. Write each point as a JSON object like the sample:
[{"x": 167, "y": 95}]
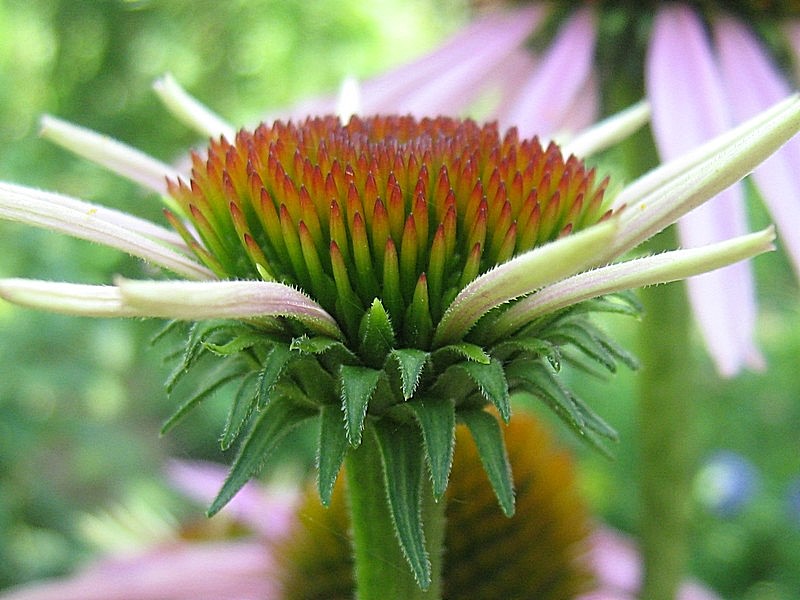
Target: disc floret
[{"x": 403, "y": 210}]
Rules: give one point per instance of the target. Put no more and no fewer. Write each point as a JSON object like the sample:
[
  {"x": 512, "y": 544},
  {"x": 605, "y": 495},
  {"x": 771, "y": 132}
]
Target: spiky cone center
[
  {"x": 539, "y": 553},
  {"x": 403, "y": 210}
]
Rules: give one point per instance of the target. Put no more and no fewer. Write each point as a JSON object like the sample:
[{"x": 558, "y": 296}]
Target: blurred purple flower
[
  {"x": 616, "y": 562},
  {"x": 702, "y": 77},
  {"x": 243, "y": 568}
]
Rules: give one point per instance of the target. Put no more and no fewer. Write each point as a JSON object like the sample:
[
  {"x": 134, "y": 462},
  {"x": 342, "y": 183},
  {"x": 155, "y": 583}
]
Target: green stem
[
  {"x": 668, "y": 437},
  {"x": 381, "y": 570}
]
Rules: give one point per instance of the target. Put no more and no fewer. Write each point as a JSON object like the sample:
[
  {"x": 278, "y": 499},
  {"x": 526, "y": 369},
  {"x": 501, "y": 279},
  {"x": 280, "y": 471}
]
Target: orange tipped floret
[{"x": 441, "y": 198}]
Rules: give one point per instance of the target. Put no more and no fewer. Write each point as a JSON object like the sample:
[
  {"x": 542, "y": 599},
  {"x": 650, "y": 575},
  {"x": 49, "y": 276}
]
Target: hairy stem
[{"x": 381, "y": 570}]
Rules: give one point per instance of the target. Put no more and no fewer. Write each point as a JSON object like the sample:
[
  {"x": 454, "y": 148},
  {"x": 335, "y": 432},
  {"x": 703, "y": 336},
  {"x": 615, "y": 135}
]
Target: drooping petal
[
  {"x": 754, "y": 83},
  {"x": 177, "y": 571},
  {"x": 198, "y": 300},
  {"x": 521, "y": 275},
  {"x": 539, "y": 106},
  {"x": 456, "y": 74},
  {"x": 667, "y": 193},
  {"x": 689, "y": 107},
  {"x": 190, "y": 110},
  {"x": 106, "y": 226},
  {"x": 109, "y": 153},
  {"x": 443, "y": 81},
  {"x": 348, "y": 102},
  {"x": 651, "y": 270},
  {"x": 667, "y": 172},
  {"x": 66, "y": 298}
]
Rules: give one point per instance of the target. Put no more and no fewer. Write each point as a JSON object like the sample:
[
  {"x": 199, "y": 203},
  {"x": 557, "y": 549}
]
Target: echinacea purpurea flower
[{"x": 395, "y": 275}]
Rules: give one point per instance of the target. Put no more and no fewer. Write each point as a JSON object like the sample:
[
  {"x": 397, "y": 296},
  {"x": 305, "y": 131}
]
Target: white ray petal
[
  {"x": 650, "y": 270},
  {"x": 669, "y": 171},
  {"x": 197, "y": 300},
  {"x": 106, "y": 226},
  {"x": 110, "y": 153},
  {"x": 608, "y": 132},
  {"x": 190, "y": 110},
  {"x": 711, "y": 170},
  {"x": 66, "y": 298}
]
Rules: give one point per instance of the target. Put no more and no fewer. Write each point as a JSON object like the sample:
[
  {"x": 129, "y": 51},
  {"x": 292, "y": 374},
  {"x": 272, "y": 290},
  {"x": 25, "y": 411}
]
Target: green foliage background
[{"x": 81, "y": 400}]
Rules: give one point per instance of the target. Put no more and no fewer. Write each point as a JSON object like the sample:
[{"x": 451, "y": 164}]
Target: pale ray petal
[
  {"x": 453, "y": 87},
  {"x": 493, "y": 35},
  {"x": 198, "y": 300},
  {"x": 650, "y": 270},
  {"x": 689, "y": 107},
  {"x": 539, "y": 106},
  {"x": 710, "y": 171},
  {"x": 521, "y": 275},
  {"x": 666, "y": 173},
  {"x": 348, "y": 102},
  {"x": 177, "y": 571},
  {"x": 109, "y": 153},
  {"x": 66, "y": 298},
  {"x": 609, "y": 131},
  {"x": 583, "y": 112},
  {"x": 190, "y": 110},
  {"x": 754, "y": 83},
  {"x": 99, "y": 224}
]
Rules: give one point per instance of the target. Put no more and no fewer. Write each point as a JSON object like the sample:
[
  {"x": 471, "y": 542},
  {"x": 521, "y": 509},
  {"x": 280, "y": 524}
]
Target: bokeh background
[{"x": 81, "y": 401}]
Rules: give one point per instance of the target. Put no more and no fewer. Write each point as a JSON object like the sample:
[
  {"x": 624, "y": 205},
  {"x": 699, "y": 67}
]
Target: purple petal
[
  {"x": 754, "y": 83},
  {"x": 616, "y": 563},
  {"x": 543, "y": 102},
  {"x": 183, "y": 571},
  {"x": 447, "y": 79},
  {"x": 689, "y": 107}
]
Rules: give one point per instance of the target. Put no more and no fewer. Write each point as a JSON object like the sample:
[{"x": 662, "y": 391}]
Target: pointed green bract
[
  {"x": 325, "y": 345},
  {"x": 466, "y": 350},
  {"x": 275, "y": 362},
  {"x": 357, "y": 386},
  {"x": 401, "y": 454},
  {"x": 539, "y": 380},
  {"x": 376, "y": 335},
  {"x": 491, "y": 380},
  {"x": 485, "y": 430},
  {"x": 220, "y": 376},
  {"x": 437, "y": 420},
  {"x": 410, "y": 364},
  {"x": 242, "y": 406},
  {"x": 331, "y": 450},
  {"x": 275, "y": 422}
]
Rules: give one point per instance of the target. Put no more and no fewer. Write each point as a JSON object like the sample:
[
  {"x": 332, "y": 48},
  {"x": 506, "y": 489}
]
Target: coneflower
[{"x": 390, "y": 277}]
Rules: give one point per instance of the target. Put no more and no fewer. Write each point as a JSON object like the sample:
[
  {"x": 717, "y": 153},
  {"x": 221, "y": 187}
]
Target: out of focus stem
[{"x": 667, "y": 436}]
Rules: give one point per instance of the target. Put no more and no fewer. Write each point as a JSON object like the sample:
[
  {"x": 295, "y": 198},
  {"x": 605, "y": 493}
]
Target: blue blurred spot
[{"x": 727, "y": 482}]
